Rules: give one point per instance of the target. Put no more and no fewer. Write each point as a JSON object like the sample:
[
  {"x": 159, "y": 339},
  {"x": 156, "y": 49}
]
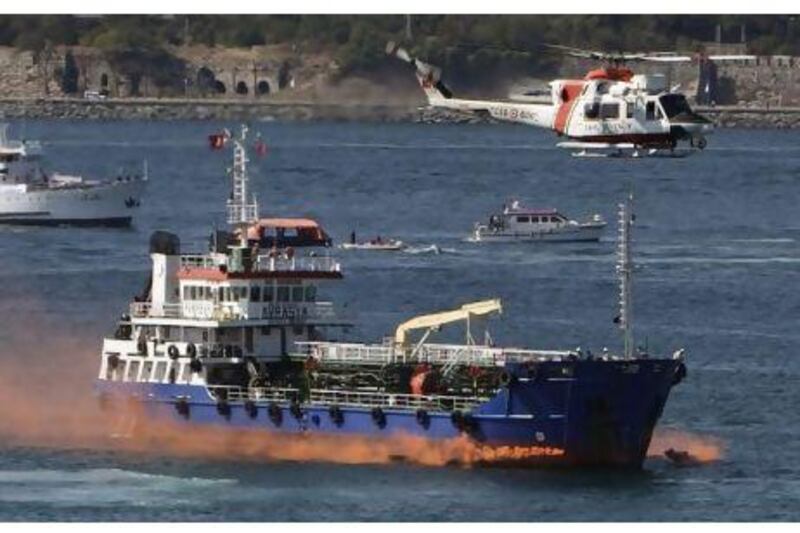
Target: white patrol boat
[
  {"x": 31, "y": 196},
  {"x": 517, "y": 223}
]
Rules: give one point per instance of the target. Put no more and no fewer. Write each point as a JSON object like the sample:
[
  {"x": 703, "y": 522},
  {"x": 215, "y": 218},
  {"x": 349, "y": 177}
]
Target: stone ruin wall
[
  {"x": 240, "y": 73},
  {"x": 766, "y": 81}
]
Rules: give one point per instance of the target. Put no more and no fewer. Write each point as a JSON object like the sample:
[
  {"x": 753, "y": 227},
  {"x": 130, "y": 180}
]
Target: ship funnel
[{"x": 164, "y": 242}]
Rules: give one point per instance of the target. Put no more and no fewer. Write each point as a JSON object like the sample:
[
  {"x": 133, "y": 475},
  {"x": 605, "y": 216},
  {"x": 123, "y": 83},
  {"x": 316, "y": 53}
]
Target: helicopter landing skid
[{"x": 636, "y": 153}]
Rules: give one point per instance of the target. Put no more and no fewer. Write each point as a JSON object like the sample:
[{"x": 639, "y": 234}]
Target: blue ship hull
[{"x": 599, "y": 413}]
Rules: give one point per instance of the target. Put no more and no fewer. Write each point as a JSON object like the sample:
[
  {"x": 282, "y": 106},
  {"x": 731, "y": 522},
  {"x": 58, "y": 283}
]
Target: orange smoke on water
[
  {"x": 57, "y": 416},
  {"x": 701, "y": 448},
  {"x": 219, "y": 443},
  {"x": 46, "y": 400}
]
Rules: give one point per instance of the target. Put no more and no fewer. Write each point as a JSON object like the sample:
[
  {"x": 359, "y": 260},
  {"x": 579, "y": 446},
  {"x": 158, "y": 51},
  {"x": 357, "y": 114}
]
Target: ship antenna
[
  {"x": 625, "y": 273},
  {"x": 241, "y": 213}
]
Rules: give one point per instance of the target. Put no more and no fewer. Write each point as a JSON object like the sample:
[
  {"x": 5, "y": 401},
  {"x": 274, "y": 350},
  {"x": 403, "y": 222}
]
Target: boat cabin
[{"x": 288, "y": 232}]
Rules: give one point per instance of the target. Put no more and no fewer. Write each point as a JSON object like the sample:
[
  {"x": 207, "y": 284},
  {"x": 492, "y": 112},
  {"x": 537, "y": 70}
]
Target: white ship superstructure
[
  {"x": 31, "y": 195},
  {"x": 518, "y": 223}
]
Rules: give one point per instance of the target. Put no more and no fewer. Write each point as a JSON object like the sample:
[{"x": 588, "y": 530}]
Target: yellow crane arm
[{"x": 434, "y": 320}]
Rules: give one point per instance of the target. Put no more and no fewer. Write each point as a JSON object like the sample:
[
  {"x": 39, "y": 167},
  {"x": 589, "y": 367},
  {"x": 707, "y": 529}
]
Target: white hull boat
[
  {"x": 519, "y": 224},
  {"x": 30, "y": 196},
  {"x": 95, "y": 203},
  {"x": 384, "y": 246}
]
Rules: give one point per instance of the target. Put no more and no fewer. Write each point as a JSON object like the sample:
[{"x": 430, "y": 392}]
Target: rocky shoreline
[{"x": 198, "y": 109}]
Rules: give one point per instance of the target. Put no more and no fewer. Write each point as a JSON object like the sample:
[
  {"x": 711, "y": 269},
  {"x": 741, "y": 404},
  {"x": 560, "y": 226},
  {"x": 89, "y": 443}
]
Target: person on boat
[{"x": 353, "y": 237}]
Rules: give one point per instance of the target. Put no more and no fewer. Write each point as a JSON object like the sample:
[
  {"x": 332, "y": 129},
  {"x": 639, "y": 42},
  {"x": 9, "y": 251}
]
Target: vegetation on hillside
[{"x": 467, "y": 45}]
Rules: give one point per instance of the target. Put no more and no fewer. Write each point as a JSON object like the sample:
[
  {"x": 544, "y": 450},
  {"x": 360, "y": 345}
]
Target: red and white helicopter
[{"x": 611, "y": 111}]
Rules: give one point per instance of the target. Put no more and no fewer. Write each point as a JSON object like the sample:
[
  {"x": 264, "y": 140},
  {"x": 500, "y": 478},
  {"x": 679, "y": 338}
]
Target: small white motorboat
[
  {"x": 517, "y": 223},
  {"x": 378, "y": 243}
]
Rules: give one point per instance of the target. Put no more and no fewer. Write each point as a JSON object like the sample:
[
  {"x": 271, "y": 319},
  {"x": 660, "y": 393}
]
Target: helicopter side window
[
  {"x": 591, "y": 111},
  {"x": 609, "y": 111},
  {"x": 650, "y": 111}
]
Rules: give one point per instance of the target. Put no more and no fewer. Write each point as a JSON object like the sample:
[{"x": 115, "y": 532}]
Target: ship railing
[
  {"x": 282, "y": 263},
  {"x": 199, "y": 261},
  {"x": 340, "y": 352},
  {"x": 146, "y": 309},
  {"x": 267, "y": 263},
  {"x": 208, "y": 310},
  {"x": 235, "y": 393},
  {"x": 439, "y": 354},
  {"x": 371, "y": 399},
  {"x": 343, "y": 398}
]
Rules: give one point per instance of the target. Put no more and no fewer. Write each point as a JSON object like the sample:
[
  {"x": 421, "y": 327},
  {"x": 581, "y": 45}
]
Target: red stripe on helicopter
[{"x": 570, "y": 92}]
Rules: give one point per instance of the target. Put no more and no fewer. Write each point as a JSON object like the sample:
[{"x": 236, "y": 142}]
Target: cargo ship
[{"x": 237, "y": 337}]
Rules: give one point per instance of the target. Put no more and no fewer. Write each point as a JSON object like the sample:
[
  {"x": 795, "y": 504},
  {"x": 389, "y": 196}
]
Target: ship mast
[
  {"x": 625, "y": 273},
  {"x": 241, "y": 213}
]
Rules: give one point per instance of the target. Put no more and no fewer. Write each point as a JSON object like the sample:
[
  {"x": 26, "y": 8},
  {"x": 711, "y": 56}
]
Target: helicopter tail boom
[{"x": 440, "y": 96}]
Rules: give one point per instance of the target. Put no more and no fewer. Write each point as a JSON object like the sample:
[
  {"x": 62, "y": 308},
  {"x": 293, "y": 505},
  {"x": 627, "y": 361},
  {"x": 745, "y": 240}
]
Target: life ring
[
  {"x": 173, "y": 352},
  {"x": 379, "y": 417},
  {"x": 191, "y": 350},
  {"x": 251, "y": 408}
]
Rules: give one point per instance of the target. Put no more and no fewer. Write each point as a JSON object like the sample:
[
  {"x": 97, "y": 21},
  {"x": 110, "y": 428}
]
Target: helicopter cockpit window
[
  {"x": 591, "y": 111},
  {"x": 674, "y": 104},
  {"x": 608, "y": 111}
]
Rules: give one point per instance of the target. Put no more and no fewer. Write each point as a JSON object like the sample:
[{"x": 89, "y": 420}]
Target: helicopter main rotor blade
[{"x": 689, "y": 59}]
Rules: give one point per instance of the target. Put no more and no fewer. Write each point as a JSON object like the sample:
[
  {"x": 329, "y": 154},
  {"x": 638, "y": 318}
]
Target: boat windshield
[{"x": 674, "y": 104}]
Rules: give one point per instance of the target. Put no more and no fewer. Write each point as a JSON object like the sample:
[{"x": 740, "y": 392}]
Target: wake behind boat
[
  {"x": 518, "y": 223},
  {"x": 31, "y": 196}
]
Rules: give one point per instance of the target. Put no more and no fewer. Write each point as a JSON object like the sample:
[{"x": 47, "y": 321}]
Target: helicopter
[{"x": 610, "y": 112}]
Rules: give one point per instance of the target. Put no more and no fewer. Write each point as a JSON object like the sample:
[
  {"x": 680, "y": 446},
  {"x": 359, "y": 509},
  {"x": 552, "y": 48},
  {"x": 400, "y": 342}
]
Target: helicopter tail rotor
[{"x": 429, "y": 76}]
